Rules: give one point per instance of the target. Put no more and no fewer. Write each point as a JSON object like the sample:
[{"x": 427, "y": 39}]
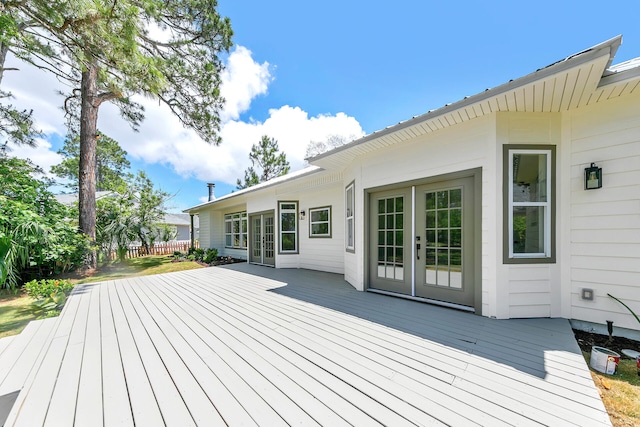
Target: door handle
[{"x": 418, "y": 250}]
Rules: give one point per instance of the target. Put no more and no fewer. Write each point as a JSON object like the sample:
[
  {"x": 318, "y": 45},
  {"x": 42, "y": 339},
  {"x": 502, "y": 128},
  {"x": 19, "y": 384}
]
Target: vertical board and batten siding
[
  {"x": 605, "y": 223},
  {"x": 527, "y": 290}
]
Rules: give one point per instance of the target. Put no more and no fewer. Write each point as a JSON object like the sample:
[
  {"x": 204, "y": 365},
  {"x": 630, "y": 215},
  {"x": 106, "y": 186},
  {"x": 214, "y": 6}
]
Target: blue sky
[{"x": 302, "y": 71}]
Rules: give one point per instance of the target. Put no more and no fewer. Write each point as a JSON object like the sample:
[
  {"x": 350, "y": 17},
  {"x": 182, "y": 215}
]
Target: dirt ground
[{"x": 588, "y": 339}]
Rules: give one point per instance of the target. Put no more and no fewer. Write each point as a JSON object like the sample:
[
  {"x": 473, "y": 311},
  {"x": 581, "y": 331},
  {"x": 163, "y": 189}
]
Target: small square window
[{"x": 320, "y": 222}]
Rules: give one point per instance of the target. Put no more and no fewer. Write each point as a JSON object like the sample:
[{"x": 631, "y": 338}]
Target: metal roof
[
  {"x": 309, "y": 170},
  {"x": 564, "y": 85},
  {"x": 580, "y": 79}
]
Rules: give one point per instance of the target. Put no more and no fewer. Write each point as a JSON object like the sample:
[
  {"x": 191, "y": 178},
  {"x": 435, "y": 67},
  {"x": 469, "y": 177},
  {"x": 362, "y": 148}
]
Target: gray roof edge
[
  {"x": 609, "y": 46},
  {"x": 261, "y": 186},
  {"x": 620, "y": 76}
]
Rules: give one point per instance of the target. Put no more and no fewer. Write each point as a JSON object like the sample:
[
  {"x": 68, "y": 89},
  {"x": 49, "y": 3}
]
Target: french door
[
  {"x": 262, "y": 238},
  {"x": 422, "y": 241}
]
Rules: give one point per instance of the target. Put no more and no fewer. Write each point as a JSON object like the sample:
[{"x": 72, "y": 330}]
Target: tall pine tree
[
  {"x": 111, "y": 50},
  {"x": 270, "y": 163}
]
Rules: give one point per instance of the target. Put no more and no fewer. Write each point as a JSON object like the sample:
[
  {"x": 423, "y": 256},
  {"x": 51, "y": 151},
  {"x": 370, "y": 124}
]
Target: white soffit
[{"x": 562, "y": 86}]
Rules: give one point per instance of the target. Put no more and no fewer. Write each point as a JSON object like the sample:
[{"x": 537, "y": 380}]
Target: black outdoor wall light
[{"x": 592, "y": 177}]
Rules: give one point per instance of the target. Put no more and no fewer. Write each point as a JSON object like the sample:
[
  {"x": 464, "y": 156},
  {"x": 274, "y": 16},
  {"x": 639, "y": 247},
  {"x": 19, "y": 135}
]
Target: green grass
[
  {"x": 620, "y": 392},
  {"x": 15, "y": 313},
  {"x": 15, "y": 310},
  {"x": 143, "y": 266}
]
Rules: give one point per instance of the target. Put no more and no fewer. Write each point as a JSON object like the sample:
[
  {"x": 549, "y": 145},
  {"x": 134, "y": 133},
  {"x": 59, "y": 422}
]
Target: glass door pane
[
  {"x": 443, "y": 231},
  {"x": 390, "y": 230}
]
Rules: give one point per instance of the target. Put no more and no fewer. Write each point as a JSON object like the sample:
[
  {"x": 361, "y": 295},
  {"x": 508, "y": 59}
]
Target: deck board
[
  {"x": 247, "y": 345},
  {"x": 451, "y": 356},
  {"x": 23, "y": 353},
  {"x": 402, "y": 372},
  {"x": 116, "y": 402}
]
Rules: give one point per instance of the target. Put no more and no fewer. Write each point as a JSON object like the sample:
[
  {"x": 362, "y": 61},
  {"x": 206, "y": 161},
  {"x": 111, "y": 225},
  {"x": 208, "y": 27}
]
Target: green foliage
[
  {"x": 111, "y": 51},
  {"x": 45, "y": 288},
  {"x": 626, "y": 306},
  {"x": 49, "y": 306},
  {"x": 210, "y": 255},
  {"x": 266, "y": 156},
  {"x": 16, "y": 126},
  {"x": 49, "y": 294},
  {"x": 48, "y": 314},
  {"x": 111, "y": 163},
  {"x": 36, "y": 236},
  {"x": 134, "y": 213},
  {"x": 179, "y": 65}
]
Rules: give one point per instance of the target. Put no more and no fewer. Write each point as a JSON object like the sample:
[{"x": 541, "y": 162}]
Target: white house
[
  {"x": 182, "y": 224},
  {"x": 480, "y": 205}
]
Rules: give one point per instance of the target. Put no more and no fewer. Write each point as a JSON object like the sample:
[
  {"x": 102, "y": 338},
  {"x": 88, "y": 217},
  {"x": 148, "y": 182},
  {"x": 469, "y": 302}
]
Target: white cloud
[
  {"x": 42, "y": 155},
  {"x": 162, "y": 138},
  {"x": 242, "y": 80}
]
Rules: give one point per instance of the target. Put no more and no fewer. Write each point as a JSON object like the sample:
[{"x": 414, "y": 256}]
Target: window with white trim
[
  {"x": 288, "y": 221},
  {"x": 320, "y": 222},
  {"x": 349, "y": 215},
  {"x": 235, "y": 230},
  {"x": 529, "y": 213}
]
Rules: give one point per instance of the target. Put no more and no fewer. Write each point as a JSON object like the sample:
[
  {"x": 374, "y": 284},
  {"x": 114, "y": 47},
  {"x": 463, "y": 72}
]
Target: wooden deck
[{"x": 246, "y": 345}]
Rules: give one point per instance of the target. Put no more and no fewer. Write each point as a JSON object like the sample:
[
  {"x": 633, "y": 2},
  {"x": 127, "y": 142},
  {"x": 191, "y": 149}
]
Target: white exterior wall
[
  {"x": 528, "y": 290},
  {"x": 204, "y": 218},
  {"x": 467, "y": 146},
  {"x": 218, "y": 229},
  {"x": 316, "y": 190},
  {"x": 354, "y": 260},
  {"x": 597, "y": 233},
  {"x": 319, "y": 190},
  {"x": 605, "y": 223}
]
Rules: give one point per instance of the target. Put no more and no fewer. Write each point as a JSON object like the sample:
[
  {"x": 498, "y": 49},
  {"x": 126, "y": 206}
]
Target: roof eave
[
  {"x": 249, "y": 190},
  {"x": 609, "y": 47}
]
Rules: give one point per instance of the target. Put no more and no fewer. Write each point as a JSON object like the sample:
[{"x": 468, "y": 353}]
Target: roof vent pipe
[{"x": 212, "y": 187}]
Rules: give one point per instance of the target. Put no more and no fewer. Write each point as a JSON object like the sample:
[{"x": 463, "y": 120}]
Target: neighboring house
[
  {"x": 71, "y": 198},
  {"x": 479, "y": 205},
  {"x": 182, "y": 223}
]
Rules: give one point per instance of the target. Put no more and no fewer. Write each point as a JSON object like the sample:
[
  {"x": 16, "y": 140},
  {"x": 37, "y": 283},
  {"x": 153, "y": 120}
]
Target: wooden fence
[{"x": 164, "y": 248}]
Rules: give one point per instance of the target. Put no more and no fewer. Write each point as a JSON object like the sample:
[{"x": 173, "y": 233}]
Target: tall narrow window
[
  {"x": 349, "y": 215},
  {"x": 288, "y": 227},
  {"x": 529, "y": 213}
]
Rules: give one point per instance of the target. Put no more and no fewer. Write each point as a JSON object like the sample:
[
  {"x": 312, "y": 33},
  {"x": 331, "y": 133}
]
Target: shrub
[
  {"x": 49, "y": 294},
  {"x": 210, "y": 255},
  {"x": 45, "y": 288}
]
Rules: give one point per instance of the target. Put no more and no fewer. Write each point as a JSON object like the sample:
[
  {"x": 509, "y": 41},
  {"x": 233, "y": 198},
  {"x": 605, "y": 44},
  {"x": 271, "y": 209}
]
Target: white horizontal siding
[
  {"x": 605, "y": 223},
  {"x": 324, "y": 254},
  {"x": 530, "y": 290},
  {"x": 205, "y": 229},
  {"x": 527, "y": 290}
]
